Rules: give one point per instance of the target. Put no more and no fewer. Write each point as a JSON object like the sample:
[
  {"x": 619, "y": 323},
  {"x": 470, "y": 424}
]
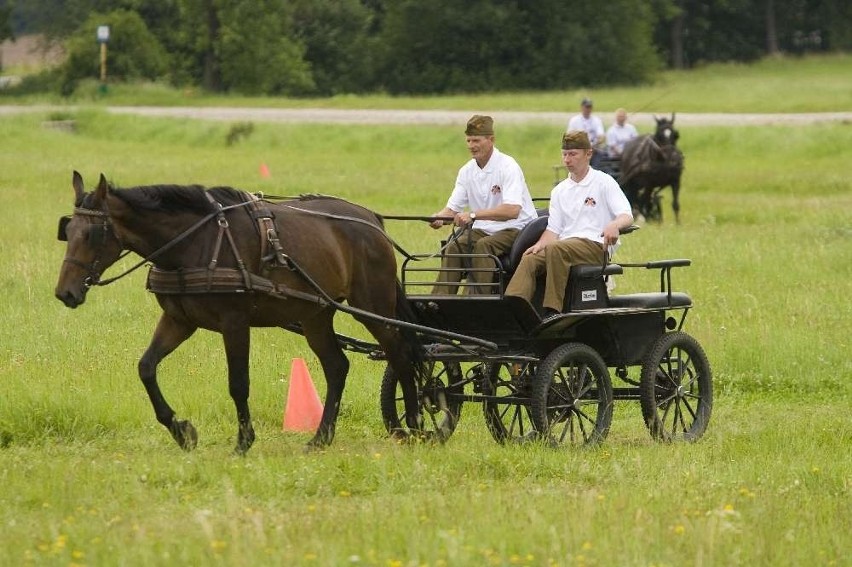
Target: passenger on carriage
[
  {"x": 619, "y": 134},
  {"x": 587, "y": 211},
  {"x": 592, "y": 126},
  {"x": 491, "y": 198}
]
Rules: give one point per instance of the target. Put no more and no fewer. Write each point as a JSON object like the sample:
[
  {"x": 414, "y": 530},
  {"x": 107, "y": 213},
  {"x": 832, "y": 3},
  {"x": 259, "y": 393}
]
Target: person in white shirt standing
[
  {"x": 587, "y": 212},
  {"x": 592, "y": 126},
  {"x": 490, "y": 195},
  {"x": 619, "y": 134}
]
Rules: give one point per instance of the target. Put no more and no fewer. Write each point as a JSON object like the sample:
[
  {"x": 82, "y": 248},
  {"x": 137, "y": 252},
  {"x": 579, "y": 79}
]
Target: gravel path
[
  {"x": 340, "y": 116},
  {"x": 445, "y": 117}
]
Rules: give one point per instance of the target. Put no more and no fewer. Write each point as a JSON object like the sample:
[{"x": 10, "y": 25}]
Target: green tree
[
  {"x": 338, "y": 43},
  {"x": 242, "y": 46},
  {"x": 484, "y": 45},
  {"x": 133, "y": 52}
]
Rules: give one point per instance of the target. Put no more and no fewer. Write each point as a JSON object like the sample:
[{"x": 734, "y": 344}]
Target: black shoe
[{"x": 549, "y": 314}]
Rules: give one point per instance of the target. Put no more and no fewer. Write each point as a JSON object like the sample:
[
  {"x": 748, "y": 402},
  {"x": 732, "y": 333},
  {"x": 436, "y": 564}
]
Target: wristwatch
[{"x": 472, "y": 216}]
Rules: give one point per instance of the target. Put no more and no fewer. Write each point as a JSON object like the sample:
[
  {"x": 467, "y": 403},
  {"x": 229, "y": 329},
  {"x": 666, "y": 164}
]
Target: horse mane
[{"x": 176, "y": 198}]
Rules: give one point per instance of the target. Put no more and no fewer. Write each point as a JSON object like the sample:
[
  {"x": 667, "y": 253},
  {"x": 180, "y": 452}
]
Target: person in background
[
  {"x": 492, "y": 198},
  {"x": 619, "y": 134},
  {"x": 587, "y": 212},
  {"x": 592, "y": 126}
]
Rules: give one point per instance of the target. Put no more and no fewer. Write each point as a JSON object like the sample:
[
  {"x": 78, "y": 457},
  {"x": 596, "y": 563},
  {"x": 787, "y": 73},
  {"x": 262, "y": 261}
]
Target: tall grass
[{"x": 88, "y": 476}]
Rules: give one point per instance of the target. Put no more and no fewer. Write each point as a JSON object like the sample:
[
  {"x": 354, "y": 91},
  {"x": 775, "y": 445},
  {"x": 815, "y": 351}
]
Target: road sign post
[{"x": 103, "y": 39}]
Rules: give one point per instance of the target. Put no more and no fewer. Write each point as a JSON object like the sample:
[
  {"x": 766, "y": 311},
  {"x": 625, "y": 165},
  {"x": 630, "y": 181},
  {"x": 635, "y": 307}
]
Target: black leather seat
[{"x": 528, "y": 236}]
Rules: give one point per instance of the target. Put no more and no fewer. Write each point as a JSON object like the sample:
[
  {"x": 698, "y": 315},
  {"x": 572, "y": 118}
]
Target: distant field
[{"x": 89, "y": 477}]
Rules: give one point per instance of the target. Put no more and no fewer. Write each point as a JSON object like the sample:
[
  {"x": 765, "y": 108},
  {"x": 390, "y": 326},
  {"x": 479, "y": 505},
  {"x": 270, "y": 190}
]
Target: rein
[
  {"x": 387, "y": 237},
  {"x": 94, "y": 279}
]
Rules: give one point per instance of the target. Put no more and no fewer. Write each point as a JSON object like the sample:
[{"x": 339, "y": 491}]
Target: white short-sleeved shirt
[
  {"x": 582, "y": 210},
  {"x": 500, "y": 182},
  {"x": 617, "y": 136},
  {"x": 591, "y": 126}
]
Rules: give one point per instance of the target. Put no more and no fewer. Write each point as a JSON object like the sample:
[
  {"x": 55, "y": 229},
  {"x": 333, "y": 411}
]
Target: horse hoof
[
  {"x": 184, "y": 434},
  {"x": 312, "y": 447},
  {"x": 245, "y": 439}
]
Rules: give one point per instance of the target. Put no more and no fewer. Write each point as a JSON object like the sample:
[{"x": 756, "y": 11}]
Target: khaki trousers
[
  {"x": 556, "y": 261},
  {"x": 473, "y": 242}
]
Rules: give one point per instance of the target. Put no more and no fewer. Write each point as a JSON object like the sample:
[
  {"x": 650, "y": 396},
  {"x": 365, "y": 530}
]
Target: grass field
[{"x": 87, "y": 477}]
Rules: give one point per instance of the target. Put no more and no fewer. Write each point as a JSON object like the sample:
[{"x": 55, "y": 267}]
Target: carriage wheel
[
  {"x": 508, "y": 421},
  {"x": 676, "y": 389},
  {"x": 440, "y": 413},
  {"x": 572, "y": 396}
]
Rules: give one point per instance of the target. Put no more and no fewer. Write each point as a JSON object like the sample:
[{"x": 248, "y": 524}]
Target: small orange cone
[
  {"x": 304, "y": 409},
  {"x": 264, "y": 170}
]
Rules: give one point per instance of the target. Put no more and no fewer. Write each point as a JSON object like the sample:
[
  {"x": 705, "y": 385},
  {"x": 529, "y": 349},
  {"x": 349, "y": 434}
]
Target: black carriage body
[{"x": 622, "y": 336}]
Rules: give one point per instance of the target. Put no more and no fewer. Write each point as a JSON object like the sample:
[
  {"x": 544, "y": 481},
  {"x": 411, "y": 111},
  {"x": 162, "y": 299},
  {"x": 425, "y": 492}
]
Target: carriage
[
  {"x": 550, "y": 379},
  {"x": 226, "y": 260}
]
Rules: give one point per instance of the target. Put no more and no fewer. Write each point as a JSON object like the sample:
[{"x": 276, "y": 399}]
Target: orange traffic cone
[
  {"x": 264, "y": 170},
  {"x": 304, "y": 409}
]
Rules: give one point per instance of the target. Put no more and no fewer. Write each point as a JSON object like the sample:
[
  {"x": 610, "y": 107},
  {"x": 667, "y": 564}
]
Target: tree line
[{"x": 327, "y": 47}]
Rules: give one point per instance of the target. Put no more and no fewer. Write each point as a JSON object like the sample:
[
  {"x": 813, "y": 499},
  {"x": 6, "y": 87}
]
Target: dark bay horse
[
  {"x": 650, "y": 163},
  {"x": 188, "y": 231}
]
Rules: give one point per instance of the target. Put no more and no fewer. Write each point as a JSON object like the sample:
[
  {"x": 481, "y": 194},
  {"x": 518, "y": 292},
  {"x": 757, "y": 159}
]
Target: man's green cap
[
  {"x": 576, "y": 140},
  {"x": 480, "y": 125}
]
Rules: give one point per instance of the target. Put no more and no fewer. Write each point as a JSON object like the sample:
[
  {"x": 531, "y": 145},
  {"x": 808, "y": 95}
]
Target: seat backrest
[{"x": 528, "y": 236}]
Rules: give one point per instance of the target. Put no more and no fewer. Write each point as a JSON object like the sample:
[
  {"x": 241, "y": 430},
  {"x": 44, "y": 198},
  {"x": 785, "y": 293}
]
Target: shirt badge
[
  {"x": 496, "y": 189},
  {"x": 590, "y": 202}
]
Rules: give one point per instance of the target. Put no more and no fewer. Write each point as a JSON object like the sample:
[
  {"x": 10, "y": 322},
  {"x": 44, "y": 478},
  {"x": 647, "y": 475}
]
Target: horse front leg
[
  {"x": 676, "y": 199},
  {"x": 319, "y": 333},
  {"x": 168, "y": 335},
  {"x": 237, "y": 339}
]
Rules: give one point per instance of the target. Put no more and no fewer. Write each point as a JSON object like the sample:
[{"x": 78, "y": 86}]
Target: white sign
[{"x": 103, "y": 34}]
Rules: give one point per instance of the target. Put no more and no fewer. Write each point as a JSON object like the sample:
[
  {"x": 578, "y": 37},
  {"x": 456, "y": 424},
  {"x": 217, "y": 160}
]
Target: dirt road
[
  {"x": 448, "y": 117},
  {"x": 457, "y": 116}
]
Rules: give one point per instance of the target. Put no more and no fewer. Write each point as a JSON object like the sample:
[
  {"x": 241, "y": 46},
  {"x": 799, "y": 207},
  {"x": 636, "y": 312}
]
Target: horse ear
[
  {"x": 103, "y": 187},
  {"x": 77, "y": 183},
  {"x": 657, "y": 120},
  {"x": 673, "y": 117}
]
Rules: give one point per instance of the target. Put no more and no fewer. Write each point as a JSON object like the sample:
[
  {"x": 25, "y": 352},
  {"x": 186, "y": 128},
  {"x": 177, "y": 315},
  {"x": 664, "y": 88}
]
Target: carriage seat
[
  {"x": 653, "y": 300},
  {"x": 528, "y": 236}
]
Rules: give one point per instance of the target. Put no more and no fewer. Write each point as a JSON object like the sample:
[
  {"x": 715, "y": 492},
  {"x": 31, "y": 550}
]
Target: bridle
[{"x": 97, "y": 240}]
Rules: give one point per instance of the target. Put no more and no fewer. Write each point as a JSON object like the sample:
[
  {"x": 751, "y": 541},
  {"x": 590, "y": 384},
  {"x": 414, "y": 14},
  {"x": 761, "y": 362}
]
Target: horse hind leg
[
  {"x": 168, "y": 335},
  {"x": 407, "y": 366}
]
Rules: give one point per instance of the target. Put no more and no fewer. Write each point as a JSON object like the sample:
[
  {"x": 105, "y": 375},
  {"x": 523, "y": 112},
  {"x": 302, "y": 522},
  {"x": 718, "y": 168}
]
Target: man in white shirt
[
  {"x": 587, "y": 211},
  {"x": 619, "y": 134},
  {"x": 592, "y": 126},
  {"x": 492, "y": 199}
]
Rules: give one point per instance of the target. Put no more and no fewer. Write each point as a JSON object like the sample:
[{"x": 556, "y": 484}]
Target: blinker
[{"x": 62, "y": 233}]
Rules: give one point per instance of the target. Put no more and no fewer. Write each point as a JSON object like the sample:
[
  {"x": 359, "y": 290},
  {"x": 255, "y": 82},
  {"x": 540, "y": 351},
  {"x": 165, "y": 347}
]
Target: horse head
[
  {"x": 92, "y": 243},
  {"x": 666, "y": 135}
]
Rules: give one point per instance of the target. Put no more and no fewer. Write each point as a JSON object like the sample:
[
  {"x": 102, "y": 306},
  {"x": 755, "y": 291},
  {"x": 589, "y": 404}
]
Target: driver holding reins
[{"x": 490, "y": 195}]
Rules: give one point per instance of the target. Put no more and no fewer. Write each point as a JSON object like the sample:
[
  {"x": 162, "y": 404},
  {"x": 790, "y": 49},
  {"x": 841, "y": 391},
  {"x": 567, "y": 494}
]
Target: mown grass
[
  {"x": 89, "y": 477},
  {"x": 813, "y": 83}
]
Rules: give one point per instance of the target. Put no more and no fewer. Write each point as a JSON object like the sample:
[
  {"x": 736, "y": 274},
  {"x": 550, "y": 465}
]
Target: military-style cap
[
  {"x": 586, "y": 102},
  {"x": 576, "y": 140},
  {"x": 480, "y": 125}
]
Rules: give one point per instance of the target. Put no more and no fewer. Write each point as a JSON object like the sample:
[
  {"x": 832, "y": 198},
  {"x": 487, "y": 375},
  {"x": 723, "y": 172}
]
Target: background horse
[
  {"x": 181, "y": 229},
  {"x": 650, "y": 163}
]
